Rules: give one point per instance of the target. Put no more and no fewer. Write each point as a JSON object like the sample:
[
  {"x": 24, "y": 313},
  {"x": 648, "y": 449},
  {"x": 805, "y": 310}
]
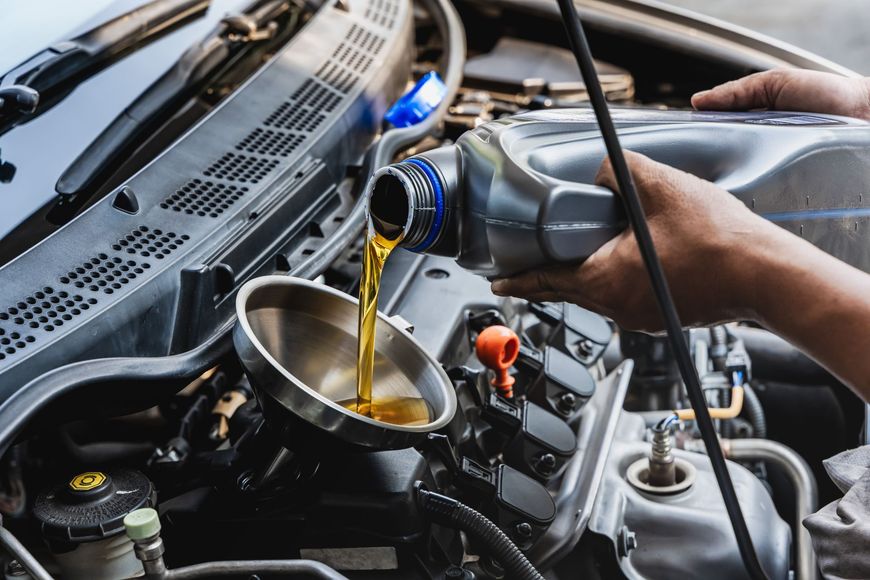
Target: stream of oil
[{"x": 399, "y": 410}]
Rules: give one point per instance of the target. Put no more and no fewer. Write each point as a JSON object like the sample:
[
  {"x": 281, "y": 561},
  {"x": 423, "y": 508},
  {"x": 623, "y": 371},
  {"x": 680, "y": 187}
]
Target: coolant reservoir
[{"x": 518, "y": 193}]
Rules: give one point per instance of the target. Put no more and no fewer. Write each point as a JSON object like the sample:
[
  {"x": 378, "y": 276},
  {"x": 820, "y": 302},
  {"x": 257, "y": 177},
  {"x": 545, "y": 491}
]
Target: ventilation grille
[
  {"x": 270, "y": 142},
  {"x": 82, "y": 287},
  {"x": 198, "y": 197},
  {"x": 339, "y": 78},
  {"x": 45, "y": 310},
  {"x": 148, "y": 243},
  {"x": 292, "y": 116},
  {"x": 351, "y": 58},
  {"x": 314, "y": 94},
  {"x": 241, "y": 168},
  {"x": 287, "y": 127},
  {"x": 365, "y": 39},
  {"x": 383, "y": 12}
]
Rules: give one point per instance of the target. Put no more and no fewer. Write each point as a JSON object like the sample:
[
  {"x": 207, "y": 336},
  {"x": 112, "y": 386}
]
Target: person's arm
[
  {"x": 722, "y": 262},
  {"x": 791, "y": 90}
]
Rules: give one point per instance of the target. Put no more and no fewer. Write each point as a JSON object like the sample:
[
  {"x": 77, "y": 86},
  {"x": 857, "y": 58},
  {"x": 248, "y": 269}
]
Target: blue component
[
  {"x": 418, "y": 103},
  {"x": 439, "y": 205}
]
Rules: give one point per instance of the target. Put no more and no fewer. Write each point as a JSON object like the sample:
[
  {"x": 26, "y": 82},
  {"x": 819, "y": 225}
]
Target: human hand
[
  {"x": 703, "y": 236},
  {"x": 790, "y": 90}
]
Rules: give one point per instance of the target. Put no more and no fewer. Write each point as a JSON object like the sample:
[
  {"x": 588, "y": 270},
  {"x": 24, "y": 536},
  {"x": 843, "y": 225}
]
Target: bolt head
[
  {"x": 626, "y": 541},
  {"x": 15, "y": 569},
  {"x": 524, "y": 530},
  {"x": 546, "y": 463},
  {"x": 567, "y": 402},
  {"x": 584, "y": 347}
]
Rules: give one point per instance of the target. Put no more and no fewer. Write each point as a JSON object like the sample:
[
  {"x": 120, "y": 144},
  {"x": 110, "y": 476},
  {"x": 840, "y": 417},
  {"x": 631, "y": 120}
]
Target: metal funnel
[{"x": 297, "y": 341}]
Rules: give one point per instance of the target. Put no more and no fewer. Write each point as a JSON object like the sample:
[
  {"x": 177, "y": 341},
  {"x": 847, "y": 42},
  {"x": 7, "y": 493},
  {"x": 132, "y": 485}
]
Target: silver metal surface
[
  {"x": 297, "y": 341},
  {"x": 804, "y": 483},
  {"x": 582, "y": 481},
  {"x": 237, "y": 568},
  {"x": 687, "y": 535}
]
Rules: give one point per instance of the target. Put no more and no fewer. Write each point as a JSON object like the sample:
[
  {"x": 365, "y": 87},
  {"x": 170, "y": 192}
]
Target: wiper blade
[
  {"x": 203, "y": 61},
  {"x": 37, "y": 84}
]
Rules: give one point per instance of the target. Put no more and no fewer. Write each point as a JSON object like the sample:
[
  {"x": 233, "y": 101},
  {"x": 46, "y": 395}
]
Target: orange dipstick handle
[{"x": 498, "y": 347}]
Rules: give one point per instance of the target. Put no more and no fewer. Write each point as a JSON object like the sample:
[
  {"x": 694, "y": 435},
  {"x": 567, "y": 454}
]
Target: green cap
[{"x": 142, "y": 523}]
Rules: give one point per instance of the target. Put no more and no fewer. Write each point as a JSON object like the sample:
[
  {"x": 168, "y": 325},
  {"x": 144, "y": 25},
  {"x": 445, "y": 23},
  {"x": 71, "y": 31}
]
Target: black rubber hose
[
  {"x": 754, "y": 412},
  {"x": 634, "y": 209},
  {"x": 39, "y": 393},
  {"x": 452, "y": 513}
]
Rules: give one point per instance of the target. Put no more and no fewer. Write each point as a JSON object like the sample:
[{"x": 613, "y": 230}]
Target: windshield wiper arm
[
  {"x": 44, "y": 79},
  {"x": 201, "y": 62}
]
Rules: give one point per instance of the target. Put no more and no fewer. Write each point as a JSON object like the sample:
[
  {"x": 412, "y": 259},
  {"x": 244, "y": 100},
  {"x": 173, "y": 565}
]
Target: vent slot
[
  {"x": 316, "y": 95},
  {"x": 365, "y": 39},
  {"x": 241, "y": 168},
  {"x": 146, "y": 243},
  {"x": 270, "y": 142},
  {"x": 292, "y": 117},
  {"x": 383, "y": 12},
  {"x": 202, "y": 198},
  {"x": 336, "y": 76},
  {"x": 44, "y": 310}
]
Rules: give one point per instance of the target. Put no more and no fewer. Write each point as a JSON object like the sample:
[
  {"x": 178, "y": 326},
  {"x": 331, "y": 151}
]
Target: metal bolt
[
  {"x": 546, "y": 464},
  {"x": 245, "y": 480},
  {"x": 584, "y": 347},
  {"x": 524, "y": 530},
  {"x": 14, "y": 569},
  {"x": 626, "y": 541},
  {"x": 662, "y": 471},
  {"x": 454, "y": 572},
  {"x": 567, "y": 402}
]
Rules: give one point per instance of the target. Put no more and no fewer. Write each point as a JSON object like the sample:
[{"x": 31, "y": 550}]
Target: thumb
[{"x": 752, "y": 92}]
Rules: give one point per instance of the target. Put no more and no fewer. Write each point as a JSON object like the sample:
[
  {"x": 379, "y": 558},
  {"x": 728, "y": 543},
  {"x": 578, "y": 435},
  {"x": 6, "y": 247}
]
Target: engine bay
[{"x": 169, "y": 417}]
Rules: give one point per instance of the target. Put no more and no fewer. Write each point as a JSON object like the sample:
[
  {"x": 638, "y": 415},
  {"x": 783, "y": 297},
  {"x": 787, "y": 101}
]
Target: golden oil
[
  {"x": 391, "y": 409},
  {"x": 375, "y": 253}
]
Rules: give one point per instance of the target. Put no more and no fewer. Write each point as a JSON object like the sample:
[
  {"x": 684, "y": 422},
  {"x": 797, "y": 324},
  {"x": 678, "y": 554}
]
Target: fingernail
[
  {"x": 498, "y": 286},
  {"x": 701, "y": 94}
]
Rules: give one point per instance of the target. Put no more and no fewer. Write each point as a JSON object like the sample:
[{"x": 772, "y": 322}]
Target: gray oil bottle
[{"x": 518, "y": 193}]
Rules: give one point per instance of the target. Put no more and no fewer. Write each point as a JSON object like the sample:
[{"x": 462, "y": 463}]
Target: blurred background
[
  {"x": 838, "y": 30},
  {"x": 835, "y": 29}
]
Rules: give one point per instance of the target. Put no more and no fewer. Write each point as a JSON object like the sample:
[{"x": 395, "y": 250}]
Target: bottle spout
[
  {"x": 410, "y": 201},
  {"x": 389, "y": 205}
]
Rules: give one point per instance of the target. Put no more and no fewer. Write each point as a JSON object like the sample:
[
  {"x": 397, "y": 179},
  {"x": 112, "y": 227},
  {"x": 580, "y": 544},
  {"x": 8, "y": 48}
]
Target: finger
[
  {"x": 636, "y": 162},
  {"x": 545, "y": 297},
  {"x": 645, "y": 173},
  {"x": 551, "y": 281},
  {"x": 755, "y": 91}
]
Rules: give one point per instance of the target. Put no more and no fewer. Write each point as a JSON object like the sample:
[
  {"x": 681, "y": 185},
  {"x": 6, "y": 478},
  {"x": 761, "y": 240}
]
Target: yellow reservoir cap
[{"x": 87, "y": 481}]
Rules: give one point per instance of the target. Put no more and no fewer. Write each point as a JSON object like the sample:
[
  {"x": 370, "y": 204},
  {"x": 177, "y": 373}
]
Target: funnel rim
[{"x": 249, "y": 287}]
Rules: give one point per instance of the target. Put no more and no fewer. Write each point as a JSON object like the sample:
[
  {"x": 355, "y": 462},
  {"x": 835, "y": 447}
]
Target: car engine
[{"x": 121, "y": 388}]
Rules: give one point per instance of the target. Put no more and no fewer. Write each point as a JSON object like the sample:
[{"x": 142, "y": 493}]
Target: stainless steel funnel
[{"x": 297, "y": 341}]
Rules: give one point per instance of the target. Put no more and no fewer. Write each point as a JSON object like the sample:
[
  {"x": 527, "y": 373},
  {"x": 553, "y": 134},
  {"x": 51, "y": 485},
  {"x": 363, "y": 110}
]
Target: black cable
[
  {"x": 450, "y": 512},
  {"x": 633, "y": 207}
]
